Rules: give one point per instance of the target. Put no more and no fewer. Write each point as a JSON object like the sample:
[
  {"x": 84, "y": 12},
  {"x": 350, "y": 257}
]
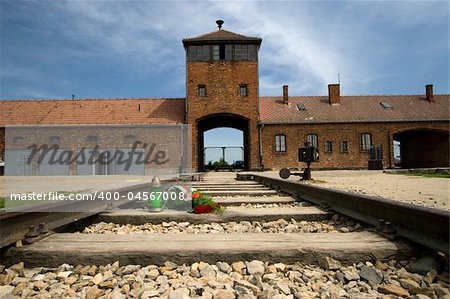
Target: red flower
[
  {"x": 196, "y": 195},
  {"x": 202, "y": 209}
]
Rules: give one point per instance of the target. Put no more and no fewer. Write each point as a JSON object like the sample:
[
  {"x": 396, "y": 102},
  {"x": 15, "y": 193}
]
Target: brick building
[{"x": 222, "y": 90}]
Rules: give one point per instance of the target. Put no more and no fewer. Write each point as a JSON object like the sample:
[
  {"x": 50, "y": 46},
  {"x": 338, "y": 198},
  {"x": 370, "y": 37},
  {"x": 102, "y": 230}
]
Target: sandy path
[{"x": 424, "y": 191}]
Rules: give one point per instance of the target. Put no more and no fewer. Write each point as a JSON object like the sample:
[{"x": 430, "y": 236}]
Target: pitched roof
[
  {"x": 222, "y": 36},
  {"x": 354, "y": 109},
  {"x": 92, "y": 111}
]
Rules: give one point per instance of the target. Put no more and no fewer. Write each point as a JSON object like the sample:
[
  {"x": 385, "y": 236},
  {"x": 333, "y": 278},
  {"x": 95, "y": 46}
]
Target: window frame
[
  {"x": 314, "y": 140},
  {"x": 280, "y": 143},
  {"x": 341, "y": 146},
  {"x": 328, "y": 146},
  {"x": 363, "y": 141},
  {"x": 245, "y": 88},
  {"x": 201, "y": 87}
]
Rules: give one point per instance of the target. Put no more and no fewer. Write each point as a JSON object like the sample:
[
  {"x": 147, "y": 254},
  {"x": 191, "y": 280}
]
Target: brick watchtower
[{"x": 222, "y": 89}]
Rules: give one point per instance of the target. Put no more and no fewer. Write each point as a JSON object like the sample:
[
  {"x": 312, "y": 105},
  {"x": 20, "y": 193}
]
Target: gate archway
[
  {"x": 423, "y": 148},
  {"x": 221, "y": 120}
]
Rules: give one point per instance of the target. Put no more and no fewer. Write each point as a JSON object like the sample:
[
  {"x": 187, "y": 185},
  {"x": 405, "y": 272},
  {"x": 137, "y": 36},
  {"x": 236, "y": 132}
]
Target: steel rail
[
  {"x": 14, "y": 225},
  {"x": 426, "y": 226}
]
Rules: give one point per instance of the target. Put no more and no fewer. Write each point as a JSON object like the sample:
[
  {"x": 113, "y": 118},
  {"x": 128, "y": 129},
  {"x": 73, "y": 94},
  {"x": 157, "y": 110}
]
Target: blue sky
[{"x": 123, "y": 49}]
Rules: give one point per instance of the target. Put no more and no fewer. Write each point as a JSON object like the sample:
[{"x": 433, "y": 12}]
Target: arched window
[{"x": 280, "y": 143}]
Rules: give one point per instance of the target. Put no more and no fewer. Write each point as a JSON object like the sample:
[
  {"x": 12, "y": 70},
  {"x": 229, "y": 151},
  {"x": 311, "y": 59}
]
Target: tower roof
[{"x": 221, "y": 36}]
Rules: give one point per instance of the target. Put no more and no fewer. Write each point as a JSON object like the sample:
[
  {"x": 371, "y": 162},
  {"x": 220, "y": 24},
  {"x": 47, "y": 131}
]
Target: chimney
[
  {"x": 429, "y": 93},
  {"x": 334, "y": 94},
  {"x": 285, "y": 94}
]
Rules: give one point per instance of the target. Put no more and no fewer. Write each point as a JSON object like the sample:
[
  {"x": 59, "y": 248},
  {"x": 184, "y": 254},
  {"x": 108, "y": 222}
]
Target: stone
[
  {"x": 255, "y": 268},
  {"x": 420, "y": 296},
  {"x": 430, "y": 276},
  {"x": 40, "y": 285},
  {"x": 97, "y": 279},
  {"x": 223, "y": 294},
  {"x": 371, "y": 275},
  {"x": 208, "y": 272},
  {"x": 224, "y": 267},
  {"x": 328, "y": 263},
  {"x": 153, "y": 273},
  {"x": 171, "y": 265},
  {"x": 424, "y": 265},
  {"x": 280, "y": 267},
  {"x": 6, "y": 291},
  {"x": 149, "y": 294},
  {"x": 394, "y": 290},
  {"x": 344, "y": 230},
  {"x": 7, "y": 278},
  {"x": 283, "y": 288},
  {"x": 129, "y": 269},
  {"x": 18, "y": 280},
  {"x": 19, "y": 288},
  {"x": 70, "y": 280},
  {"x": 92, "y": 270},
  {"x": 178, "y": 295},
  {"x": 238, "y": 267},
  {"x": 409, "y": 284},
  {"x": 247, "y": 285},
  {"x": 339, "y": 276},
  {"x": 380, "y": 266},
  {"x": 93, "y": 292},
  {"x": 351, "y": 274},
  {"x": 18, "y": 268},
  {"x": 64, "y": 274},
  {"x": 440, "y": 290}
]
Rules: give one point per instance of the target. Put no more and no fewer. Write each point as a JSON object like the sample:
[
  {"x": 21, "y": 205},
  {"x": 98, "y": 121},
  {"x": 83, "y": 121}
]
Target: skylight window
[
  {"x": 301, "y": 107},
  {"x": 386, "y": 105}
]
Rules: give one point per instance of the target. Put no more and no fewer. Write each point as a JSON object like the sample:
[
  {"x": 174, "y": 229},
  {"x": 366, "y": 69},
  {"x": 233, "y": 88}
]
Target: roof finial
[{"x": 219, "y": 24}]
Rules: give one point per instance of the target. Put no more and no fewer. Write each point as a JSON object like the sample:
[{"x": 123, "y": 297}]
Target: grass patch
[
  {"x": 2, "y": 202},
  {"x": 424, "y": 174}
]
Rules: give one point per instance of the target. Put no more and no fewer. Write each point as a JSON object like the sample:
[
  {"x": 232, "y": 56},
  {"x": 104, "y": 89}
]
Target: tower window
[
  {"x": 202, "y": 91},
  {"x": 219, "y": 52},
  {"x": 243, "y": 90}
]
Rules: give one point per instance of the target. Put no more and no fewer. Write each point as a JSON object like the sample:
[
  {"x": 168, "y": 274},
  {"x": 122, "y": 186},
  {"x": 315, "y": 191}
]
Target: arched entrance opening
[
  {"x": 422, "y": 148},
  {"x": 222, "y": 120}
]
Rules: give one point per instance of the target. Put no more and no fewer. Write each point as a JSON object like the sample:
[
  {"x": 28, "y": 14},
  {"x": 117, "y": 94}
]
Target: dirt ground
[{"x": 418, "y": 190}]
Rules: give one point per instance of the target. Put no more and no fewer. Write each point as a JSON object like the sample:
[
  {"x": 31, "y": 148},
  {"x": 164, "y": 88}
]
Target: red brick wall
[
  {"x": 382, "y": 133},
  {"x": 222, "y": 80}
]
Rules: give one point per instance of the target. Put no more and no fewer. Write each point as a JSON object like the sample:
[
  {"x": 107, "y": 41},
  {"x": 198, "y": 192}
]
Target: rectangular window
[
  {"x": 228, "y": 52},
  {"x": 216, "y": 52},
  {"x": 205, "y": 53},
  {"x": 192, "y": 53},
  {"x": 243, "y": 91},
  {"x": 344, "y": 147},
  {"x": 328, "y": 146},
  {"x": 252, "y": 52},
  {"x": 280, "y": 143},
  {"x": 366, "y": 141},
  {"x": 313, "y": 140},
  {"x": 202, "y": 91},
  {"x": 241, "y": 52}
]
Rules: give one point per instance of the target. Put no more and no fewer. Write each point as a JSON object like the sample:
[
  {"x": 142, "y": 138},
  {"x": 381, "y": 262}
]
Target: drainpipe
[
  {"x": 261, "y": 126},
  {"x": 390, "y": 148}
]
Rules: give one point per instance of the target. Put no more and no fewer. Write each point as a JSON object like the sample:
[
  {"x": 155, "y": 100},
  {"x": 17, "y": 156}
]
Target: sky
[{"x": 128, "y": 49}]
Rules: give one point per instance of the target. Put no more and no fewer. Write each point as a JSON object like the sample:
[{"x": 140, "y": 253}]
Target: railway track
[{"x": 282, "y": 227}]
